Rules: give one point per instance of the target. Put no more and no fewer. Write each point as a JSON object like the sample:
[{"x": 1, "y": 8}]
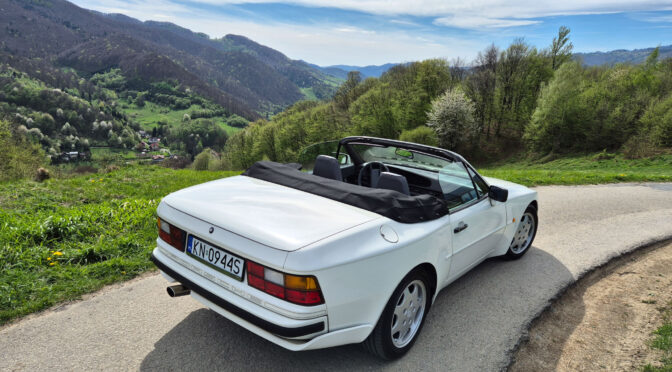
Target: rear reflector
[
  {"x": 171, "y": 234},
  {"x": 302, "y": 290}
]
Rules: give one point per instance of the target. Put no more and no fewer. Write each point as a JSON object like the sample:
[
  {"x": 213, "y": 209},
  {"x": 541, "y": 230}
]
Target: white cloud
[
  {"x": 323, "y": 44},
  {"x": 497, "y": 9},
  {"x": 477, "y": 23},
  {"x": 326, "y": 45},
  {"x": 659, "y": 19}
]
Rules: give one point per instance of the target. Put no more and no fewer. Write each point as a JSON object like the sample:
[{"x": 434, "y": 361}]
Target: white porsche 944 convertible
[{"x": 353, "y": 248}]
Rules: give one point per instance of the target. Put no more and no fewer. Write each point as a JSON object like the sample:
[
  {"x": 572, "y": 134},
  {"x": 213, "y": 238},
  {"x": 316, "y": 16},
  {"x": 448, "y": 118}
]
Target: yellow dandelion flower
[
  {"x": 622, "y": 175},
  {"x": 48, "y": 258},
  {"x": 101, "y": 179},
  {"x": 58, "y": 253},
  {"x": 123, "y": 273},
  {"x": 93, "y": 180},
  {"x": 52, "y": 263}
]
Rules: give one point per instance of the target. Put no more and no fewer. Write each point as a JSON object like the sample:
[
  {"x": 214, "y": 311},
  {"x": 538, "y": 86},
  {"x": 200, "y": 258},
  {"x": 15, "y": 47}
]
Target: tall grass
[{"x": 65, "y": 237}]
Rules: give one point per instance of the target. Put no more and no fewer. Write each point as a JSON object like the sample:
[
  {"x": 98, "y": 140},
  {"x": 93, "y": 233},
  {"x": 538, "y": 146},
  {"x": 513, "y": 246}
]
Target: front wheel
[
  {"x": 402, "y": 319},
  {"x": 525, "y": 233}
]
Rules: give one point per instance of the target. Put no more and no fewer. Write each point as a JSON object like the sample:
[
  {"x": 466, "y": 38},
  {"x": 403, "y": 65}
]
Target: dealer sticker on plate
[{"x": 216, "y": 257}]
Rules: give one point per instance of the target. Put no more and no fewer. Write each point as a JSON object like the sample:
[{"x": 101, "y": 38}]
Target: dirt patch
[{"x": 604, "y": 321}]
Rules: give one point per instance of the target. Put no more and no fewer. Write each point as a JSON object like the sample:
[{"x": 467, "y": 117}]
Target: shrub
[
  {"x": 657, "y": 120},
  {"x": 19, "y": 157},
  {"x": 422, "y": 134},
  {"x": 42, "y": 174},
  {"x": 202, "y": 161},
  {"x": 452, "y": 118},
  {"x": 237, "y": 121}
]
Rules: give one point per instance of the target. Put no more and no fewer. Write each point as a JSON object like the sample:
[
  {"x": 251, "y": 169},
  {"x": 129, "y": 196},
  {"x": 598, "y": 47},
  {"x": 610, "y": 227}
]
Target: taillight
[
  {"x": 171, "y": 234},
  {"x": 302, "y": 290}
]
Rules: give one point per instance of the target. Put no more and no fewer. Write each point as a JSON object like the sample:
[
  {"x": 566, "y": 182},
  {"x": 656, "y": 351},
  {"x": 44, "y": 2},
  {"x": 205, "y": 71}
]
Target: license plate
[{"x": 216, "y": 257}]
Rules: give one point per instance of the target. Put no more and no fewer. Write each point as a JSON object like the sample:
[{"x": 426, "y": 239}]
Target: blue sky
[{"x": 366, "y": 32}]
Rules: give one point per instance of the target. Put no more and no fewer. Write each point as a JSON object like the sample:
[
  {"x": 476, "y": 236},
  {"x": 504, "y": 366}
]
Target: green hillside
[{"x": 246, "y": 78}]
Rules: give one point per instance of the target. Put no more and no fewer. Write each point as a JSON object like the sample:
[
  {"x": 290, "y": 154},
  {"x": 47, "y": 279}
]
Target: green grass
[
  {"x": 150, "y": 114},
  {"x": 65, "y": 237},
  {"x": 104, "y": 153},
  {"x": 308, "y": 94},
  {"x": 662, "y": 340},
  {"x": 581, "y": 170}
]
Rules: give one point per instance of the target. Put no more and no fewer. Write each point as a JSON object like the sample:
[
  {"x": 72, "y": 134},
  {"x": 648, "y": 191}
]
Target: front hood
[
  {"x": 271, "y": 214},
  {"x": 513, "y": 188}
]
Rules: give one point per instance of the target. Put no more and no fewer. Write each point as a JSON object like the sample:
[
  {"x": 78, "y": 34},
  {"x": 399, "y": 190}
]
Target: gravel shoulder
[
  {"x": 605, "y": 320},
  {"x": 475, "y": 324}
]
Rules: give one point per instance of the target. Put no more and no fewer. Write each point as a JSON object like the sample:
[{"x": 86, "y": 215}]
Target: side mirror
[
  {"x": 497, "y": 193},
  {"x": 344, "y": 159}
]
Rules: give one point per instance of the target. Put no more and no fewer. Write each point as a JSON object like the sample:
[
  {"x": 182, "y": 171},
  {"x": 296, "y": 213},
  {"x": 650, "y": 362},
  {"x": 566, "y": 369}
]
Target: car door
[{"x": 477, "y": 223}]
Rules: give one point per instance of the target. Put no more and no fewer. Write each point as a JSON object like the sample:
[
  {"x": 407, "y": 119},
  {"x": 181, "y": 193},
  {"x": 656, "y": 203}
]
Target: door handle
[{"x": 460, "y": 226}]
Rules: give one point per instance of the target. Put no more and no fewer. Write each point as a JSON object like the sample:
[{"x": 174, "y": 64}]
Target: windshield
[
  {"x": 399, "y": 156},
  {"x": 309, "y": 154}
]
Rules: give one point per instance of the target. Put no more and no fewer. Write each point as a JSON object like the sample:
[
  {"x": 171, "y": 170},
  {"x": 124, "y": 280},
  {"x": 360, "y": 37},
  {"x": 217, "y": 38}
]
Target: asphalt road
[{"x": 473, "y": 326}]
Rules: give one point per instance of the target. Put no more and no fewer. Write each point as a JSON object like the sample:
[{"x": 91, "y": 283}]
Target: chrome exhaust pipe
[{"x": 177, "y": 290}]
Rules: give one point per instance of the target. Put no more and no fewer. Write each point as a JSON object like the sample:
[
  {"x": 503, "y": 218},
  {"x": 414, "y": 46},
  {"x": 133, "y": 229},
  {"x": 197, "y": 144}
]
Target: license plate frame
[{"x": 213, "y": 256}]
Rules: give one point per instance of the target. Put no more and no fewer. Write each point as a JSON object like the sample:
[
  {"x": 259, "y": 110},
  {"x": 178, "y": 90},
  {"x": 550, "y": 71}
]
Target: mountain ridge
[
  {"x": 612, "y": 57},
  {"x": 235, "y": 71}
]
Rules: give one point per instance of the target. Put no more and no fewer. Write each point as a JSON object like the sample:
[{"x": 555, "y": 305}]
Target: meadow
[{"x": 65, "y": 237}]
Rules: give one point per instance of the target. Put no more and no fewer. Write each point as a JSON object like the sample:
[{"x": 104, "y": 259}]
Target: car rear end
[
  {"x": 239, "y": 275},
  {"x": 249, "y": 292}
]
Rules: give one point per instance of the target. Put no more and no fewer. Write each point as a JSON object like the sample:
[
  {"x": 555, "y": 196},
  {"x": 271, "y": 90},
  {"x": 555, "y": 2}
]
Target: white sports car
[{"x": 352, "y": 249}]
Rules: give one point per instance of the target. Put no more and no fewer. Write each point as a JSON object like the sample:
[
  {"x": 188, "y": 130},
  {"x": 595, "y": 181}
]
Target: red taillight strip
[
  {"x": 176, "y": 237},
  {"x": 256, "y": 279}
]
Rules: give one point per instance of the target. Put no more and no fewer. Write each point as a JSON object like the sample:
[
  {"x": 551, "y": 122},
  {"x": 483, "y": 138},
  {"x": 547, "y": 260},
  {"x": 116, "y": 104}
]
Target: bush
[
  {"x": 42, "y": 174},
  {"x": 237, "y": 121},
  {"x": 424, "y": 135},
  {"x": 657, "y": 120},
  {"x": 452, "y": 118},
  {"x": 202, "y": 161},
  {"x": 18, "y": 157}
]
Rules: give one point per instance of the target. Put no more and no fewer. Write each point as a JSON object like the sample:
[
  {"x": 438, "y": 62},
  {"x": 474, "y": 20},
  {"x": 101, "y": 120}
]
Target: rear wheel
[
  {"x": 402, "y": 319},
  {"x": 525, "y": 234}
]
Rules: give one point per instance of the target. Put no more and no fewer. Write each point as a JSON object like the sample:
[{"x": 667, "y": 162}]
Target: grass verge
[
  {"x": 582, "y": 170},
  {"x": 65, "y": 237},
  {"x": 663, "y": 341}
]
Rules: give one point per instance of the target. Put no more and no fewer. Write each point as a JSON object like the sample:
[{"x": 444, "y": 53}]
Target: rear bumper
[{"x": 289, "y": 332}]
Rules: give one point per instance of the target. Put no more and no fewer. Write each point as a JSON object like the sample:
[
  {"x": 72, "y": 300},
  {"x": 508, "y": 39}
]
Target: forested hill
[
  {"x": 244, "y": 77},
  {"x": 613, "y": 57},
  {"x": 515, "y": 101}
]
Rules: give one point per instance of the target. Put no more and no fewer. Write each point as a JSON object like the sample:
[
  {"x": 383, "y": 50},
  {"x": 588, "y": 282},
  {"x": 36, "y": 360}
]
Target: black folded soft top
[{"x": 389, "y": 203}]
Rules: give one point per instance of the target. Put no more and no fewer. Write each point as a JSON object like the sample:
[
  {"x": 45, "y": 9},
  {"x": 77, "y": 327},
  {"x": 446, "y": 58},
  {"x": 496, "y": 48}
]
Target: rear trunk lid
[{"x": 276, "y": 216}]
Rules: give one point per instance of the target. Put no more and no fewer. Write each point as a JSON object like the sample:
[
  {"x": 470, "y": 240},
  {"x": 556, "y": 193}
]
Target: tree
[
  {"x": 561, "y": 48},
  {"x": 422, "y": 134},
  {"x": 481, "y": 84},
  {"x": 342, "y": 97},
  {"x": 452, "y": 118},
  {"x": 560, "y": 119}
]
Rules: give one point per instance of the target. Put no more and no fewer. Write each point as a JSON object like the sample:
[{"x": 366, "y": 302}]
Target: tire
[
  {"x": 387, "y": 345},
  {"x": 525, "y": 234}
]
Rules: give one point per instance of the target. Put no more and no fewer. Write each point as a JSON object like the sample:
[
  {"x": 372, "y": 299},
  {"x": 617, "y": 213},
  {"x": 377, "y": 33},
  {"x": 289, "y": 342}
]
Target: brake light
[
  {"x": 302, "y": 290},
  {"x": 171, "y": 234}
]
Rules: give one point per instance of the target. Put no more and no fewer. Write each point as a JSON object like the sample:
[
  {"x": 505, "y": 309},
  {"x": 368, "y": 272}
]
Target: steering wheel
[{"x": 370, "y": 173}]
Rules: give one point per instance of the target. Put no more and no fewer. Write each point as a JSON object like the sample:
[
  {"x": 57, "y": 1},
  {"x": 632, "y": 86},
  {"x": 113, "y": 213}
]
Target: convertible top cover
[{"x": 392, "y": 204}]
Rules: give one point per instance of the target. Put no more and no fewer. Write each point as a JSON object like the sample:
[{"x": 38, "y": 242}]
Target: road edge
[{"x": 637, "y": 249}]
